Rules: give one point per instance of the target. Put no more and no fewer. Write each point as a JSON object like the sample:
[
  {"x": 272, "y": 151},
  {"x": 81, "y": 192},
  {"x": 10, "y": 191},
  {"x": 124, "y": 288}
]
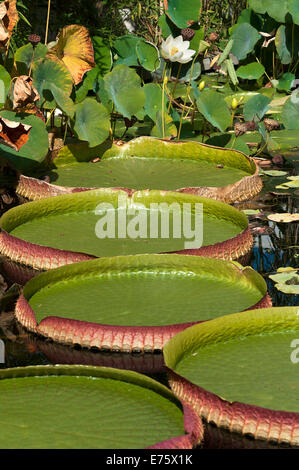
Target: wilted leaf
[
  {"x": 74, "y": 48},
  {"x": 36, "y": 147},
  {"x": 24, "y": 92},
  {"x": 284, "y": 217},
  {"x": 8, "y": 19},
  {"x": 13, "y": 134}
]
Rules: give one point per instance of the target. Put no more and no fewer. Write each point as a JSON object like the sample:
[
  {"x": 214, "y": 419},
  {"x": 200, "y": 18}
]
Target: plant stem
[
  {"x": 163, "y": 100},
  {"x": 32, "y": 59},
  {"x": 47, "y": 24},
  {"x": 187, "y": 93},
  {"x": 174, "y": 87},
  {"x": 6, "y": 52}
]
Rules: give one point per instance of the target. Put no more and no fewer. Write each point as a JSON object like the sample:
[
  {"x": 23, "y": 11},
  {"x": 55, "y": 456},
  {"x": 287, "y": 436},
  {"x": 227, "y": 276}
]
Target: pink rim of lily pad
[
  {"x": 193, "y": 425},
  {"x": 33, "y": 258},
  {"x": 274, "y": 426},
  {"x": 246, "y": 188},
  {"x": 113, "y": 337}
]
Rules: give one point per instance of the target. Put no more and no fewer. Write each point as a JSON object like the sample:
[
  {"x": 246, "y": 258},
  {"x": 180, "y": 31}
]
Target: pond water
[{"x": 275, "y": 245}]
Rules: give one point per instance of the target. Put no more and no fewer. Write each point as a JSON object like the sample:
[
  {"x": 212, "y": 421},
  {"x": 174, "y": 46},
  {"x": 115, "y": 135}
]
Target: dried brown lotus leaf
[{"x": 13, "y": 134}]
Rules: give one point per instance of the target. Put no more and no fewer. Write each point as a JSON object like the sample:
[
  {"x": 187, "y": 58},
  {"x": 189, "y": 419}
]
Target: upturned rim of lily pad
[
  {"x": 256, "y": 422},
  {"x": 243, "y": 189},
  {"x": 129, "y": 338},
  {"x": 23, "y": 260},
  {"x": 192, "y": 423}
]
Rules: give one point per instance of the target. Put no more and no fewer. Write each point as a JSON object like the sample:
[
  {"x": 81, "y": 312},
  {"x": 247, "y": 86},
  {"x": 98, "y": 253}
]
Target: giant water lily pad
[
  {"x": 137, "y": 302},
  {"x": 75, "y": 407},
  {"x": 249, "y": 360},
  {"x": 105, "y": 222},
  {"x": 151, "y": 163}
]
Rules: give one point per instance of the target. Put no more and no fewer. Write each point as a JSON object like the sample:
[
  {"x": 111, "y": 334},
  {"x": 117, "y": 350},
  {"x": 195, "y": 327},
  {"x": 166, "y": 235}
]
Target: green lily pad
[
  {"x": 75, "y": 407},
  {"x": 69, "y": 222},
  {"x": 149, "y": 163},
  {"x": 287, "y": 280},
  {"x": 248, "y": 359},
  {"x": 144, "y": 290},
  {"x": 274, "y": 172}
]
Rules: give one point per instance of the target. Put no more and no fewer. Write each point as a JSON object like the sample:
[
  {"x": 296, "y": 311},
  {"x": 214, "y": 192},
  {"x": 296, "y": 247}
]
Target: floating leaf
[
  {"x": 92, "y": 122},
  {"x": 287, "y": 280},
  {"x": 251, "y": 71},
  {"x": 285, "y": 217},
  {"x": 256, "y": 107},
  {"x": 274, "y": 172},
  {"x": 212, "y": 105},
  {"x": 123, "y": 87},
  {"x": 74, "y": 49},
  {"x": 183, "y": 14},
  {"x": 245, "y": 38}
]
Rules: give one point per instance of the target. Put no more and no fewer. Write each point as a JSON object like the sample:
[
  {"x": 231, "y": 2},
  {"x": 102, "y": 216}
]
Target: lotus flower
[{"x": 176, "y": 50}]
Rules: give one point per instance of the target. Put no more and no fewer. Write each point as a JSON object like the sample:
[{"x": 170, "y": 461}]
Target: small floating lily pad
[
  {"x": 75, "y": 407},
  {"x": 287, "y": 280},
  {"x": 249, "y": 360}
]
